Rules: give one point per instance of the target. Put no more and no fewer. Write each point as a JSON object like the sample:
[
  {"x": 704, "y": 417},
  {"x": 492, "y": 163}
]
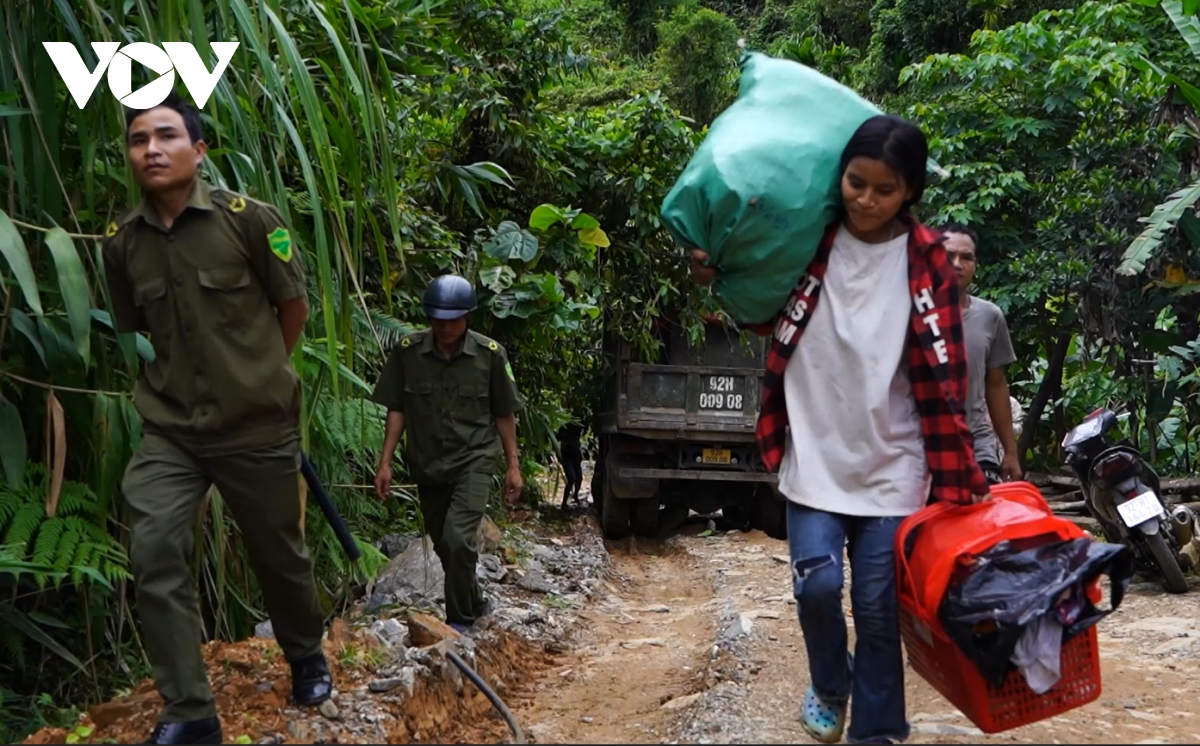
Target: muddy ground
[{"x": 691, "y": 639}]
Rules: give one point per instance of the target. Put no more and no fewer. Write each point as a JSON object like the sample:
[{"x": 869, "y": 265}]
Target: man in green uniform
[
  {"x": 216, "y": 281},
  {"x": 454, "y": 391}
]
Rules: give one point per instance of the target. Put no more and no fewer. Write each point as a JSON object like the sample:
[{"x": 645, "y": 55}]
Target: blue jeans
[{"x": 873, "y": 678}]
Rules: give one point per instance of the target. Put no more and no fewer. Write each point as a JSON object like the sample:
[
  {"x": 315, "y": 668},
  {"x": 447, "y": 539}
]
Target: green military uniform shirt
[
  {"x": 449, "y": 406},
  {"x": 205, "y": 290}
]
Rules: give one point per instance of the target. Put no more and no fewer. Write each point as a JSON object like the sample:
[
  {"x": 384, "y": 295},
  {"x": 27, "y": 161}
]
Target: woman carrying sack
[{"x": 862, "y": 417}]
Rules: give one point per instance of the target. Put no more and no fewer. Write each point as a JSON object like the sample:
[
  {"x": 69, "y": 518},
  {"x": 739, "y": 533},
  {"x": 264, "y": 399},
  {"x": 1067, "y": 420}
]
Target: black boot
[
  {"x": 312, "y": 683},
  {"x": 205, "y": 730}
]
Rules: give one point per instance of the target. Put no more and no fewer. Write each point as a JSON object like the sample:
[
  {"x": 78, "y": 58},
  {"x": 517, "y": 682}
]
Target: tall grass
[{"x": 315, "y": 114}]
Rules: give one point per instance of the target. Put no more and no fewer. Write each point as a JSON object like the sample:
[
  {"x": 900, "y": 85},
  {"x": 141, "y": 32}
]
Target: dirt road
[
  {"x": 689, "y": 640},
  {"x": 697, "y": 642}
]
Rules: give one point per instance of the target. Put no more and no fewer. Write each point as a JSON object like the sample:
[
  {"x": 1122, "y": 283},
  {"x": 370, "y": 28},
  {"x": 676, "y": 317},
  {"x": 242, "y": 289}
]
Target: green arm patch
[
  {"x": 280, "y": 241},
  {"x": 508, "y": 369}
]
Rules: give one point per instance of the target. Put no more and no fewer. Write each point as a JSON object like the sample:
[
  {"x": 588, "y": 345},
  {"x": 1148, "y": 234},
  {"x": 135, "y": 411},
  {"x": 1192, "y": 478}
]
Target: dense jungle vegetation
[{"x": 528, "y": 144}]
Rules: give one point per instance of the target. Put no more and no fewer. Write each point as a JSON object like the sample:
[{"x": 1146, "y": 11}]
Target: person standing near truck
[
  {"x": 453, "y": 391},
  {"x": 989, "y": 352},
  {"x": 215, "y": 279},
  {"x": 862, "y": 417},
  {"x": 570, "y": 455}
]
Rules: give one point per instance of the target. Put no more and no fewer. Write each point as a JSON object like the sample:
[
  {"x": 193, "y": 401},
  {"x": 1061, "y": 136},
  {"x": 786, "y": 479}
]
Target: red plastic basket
[
  {"x": 936, "y": 658},
  {"x": 948, "y": 535}
]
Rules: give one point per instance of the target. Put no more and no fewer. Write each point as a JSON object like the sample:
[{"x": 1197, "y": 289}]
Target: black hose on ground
[
  {"x": 518, "y": 734},
  {"x": 340, "y": 528}
]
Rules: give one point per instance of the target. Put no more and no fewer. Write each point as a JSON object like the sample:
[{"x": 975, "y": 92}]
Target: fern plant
[{"x": 75, "y": 543}]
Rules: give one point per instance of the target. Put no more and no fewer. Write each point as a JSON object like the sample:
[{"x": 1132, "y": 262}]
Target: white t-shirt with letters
[{"x": 855, "y": 445}]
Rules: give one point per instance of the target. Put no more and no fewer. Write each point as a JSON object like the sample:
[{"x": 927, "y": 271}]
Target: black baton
[{"x": 331, "y": 514}]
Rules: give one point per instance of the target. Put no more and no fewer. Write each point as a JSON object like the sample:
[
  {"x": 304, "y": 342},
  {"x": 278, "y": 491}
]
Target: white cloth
[
  {"x": 1039, "y": 653},
  {"x": 855, "y": 445}
]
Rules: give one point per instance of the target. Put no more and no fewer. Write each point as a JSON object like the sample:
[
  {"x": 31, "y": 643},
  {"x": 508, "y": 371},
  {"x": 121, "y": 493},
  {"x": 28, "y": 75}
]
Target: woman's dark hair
[{"x": 897, "y": 142}]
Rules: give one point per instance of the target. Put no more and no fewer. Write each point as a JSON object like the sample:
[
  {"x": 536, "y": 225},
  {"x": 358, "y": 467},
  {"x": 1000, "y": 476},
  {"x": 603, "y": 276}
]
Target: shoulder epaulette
[
  {"x": 487, "y": 342},
  {"x": 115, "y": 227},
  {"x": 233, "y": 201},
  {"x": 408, "y": 340}
]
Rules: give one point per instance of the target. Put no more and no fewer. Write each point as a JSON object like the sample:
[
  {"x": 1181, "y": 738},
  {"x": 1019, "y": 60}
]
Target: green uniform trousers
[
  {"x": 452, "y": 514},
  {"x": 165, "y": 486}
]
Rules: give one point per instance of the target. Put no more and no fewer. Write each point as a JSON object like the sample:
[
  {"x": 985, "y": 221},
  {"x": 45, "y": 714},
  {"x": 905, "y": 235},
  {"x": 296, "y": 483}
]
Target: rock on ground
[
  {"x": 732, "y": 666},
  {"x": 693, "y": 639},
  {"x": 394, "y": 682}
]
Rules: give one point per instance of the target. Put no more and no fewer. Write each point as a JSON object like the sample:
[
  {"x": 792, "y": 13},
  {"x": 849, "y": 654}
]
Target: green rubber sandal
[{"x": 822, "y": 719}]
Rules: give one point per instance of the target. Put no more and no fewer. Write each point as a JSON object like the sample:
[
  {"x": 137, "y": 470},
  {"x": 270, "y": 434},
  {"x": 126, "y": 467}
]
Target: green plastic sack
[{"x": 763, "y": 185}]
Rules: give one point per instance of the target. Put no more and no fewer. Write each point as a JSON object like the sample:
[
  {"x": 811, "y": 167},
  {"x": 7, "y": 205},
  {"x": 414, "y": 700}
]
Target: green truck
[{"x": 679, "y": 432}]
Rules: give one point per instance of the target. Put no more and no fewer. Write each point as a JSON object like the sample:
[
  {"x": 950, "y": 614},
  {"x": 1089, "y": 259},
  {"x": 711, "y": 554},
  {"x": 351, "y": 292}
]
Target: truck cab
[{"x": 679, "y": 430}]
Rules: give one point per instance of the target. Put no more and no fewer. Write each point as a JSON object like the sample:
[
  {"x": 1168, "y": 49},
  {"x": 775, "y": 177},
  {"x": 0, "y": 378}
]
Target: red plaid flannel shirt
[{"x": 937, "y": 363}]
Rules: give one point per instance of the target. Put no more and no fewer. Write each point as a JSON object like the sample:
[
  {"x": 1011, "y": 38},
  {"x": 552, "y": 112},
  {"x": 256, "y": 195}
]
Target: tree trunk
[{"x": 1051, "y": 388}]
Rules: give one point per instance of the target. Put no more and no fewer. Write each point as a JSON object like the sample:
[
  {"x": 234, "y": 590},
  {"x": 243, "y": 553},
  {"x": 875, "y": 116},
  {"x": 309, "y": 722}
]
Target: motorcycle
[{"x": 1123, "y": 493}]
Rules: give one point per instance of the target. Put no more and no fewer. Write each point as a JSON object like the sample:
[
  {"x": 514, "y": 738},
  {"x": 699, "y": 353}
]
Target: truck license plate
[
  {"x": 723, "y": 393},
  {"x": 716, "y": 455},
  {"x": 1140, "y": 509}
]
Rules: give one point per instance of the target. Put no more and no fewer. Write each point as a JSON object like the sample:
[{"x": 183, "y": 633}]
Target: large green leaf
[
  {"x": 544, "y": 216},
  {"x": 512, "y": 242},
  {"x": 488, "y": 171},
  {"x": 1189, "y": 225},
  {"x": 1160, "y": 222},
  {"x": 12, "y": 247},
  {"x": 13, "y": 448},
  {"x": 22, "y": 623},
  {"x": 72, "y": 283},
  {"x": 26, "y": 326},
  {"x": 498, "y": 278},
  {"x": 109, "y": 432},
  {"x": 583, "y": 222},
  {"x": 1186, "y": 22},
  {"x": 595, "y": 237}
]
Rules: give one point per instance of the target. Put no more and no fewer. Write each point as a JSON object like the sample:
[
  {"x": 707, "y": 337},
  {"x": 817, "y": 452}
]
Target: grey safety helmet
[{"x": 449, "y": 297}]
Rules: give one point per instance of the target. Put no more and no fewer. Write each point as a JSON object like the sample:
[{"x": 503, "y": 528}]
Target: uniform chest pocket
[
  {"x": 225, "y": 293},
  {"x": 473, "y": 401},
  {"x": 420, "y": 399}
]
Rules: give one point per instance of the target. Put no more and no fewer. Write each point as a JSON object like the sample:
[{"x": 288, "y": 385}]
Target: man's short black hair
[
  {"x": 961, "y": 229},
  {"x": 191, "y": 117}
]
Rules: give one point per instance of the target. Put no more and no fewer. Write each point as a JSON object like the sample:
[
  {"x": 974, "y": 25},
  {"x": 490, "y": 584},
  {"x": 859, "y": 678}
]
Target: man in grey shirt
[{"x": 989, "y": 351}]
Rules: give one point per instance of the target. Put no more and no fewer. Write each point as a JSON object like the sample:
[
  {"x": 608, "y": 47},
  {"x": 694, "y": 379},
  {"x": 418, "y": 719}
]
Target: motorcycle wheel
[{"x": 1167, "y": 563}]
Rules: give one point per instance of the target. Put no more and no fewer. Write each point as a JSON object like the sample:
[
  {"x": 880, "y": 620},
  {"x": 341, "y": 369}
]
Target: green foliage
[
  {"x": 541, "y": 286},
  {"x": 641, "y": 21},
  {"x": 442, "y": 139},
  {"x": 528, "y": 144},
  {"x": 1179, "y": 208},
  {"x": 75, "y": 543},
  {"x": 698, "y": 54},
  {"x": 1051, "y": 135}
]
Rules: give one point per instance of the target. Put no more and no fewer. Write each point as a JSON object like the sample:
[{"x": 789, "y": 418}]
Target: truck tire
[
  {"x": 1172, "y": 576},
  {"x": 770, "y": 515},
  {"x": 645, "y": 516},
  {"x": 614, "y": 512}
]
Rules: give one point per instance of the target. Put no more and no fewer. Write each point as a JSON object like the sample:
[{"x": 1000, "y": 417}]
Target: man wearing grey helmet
[{"x": 453, "y": 391}]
